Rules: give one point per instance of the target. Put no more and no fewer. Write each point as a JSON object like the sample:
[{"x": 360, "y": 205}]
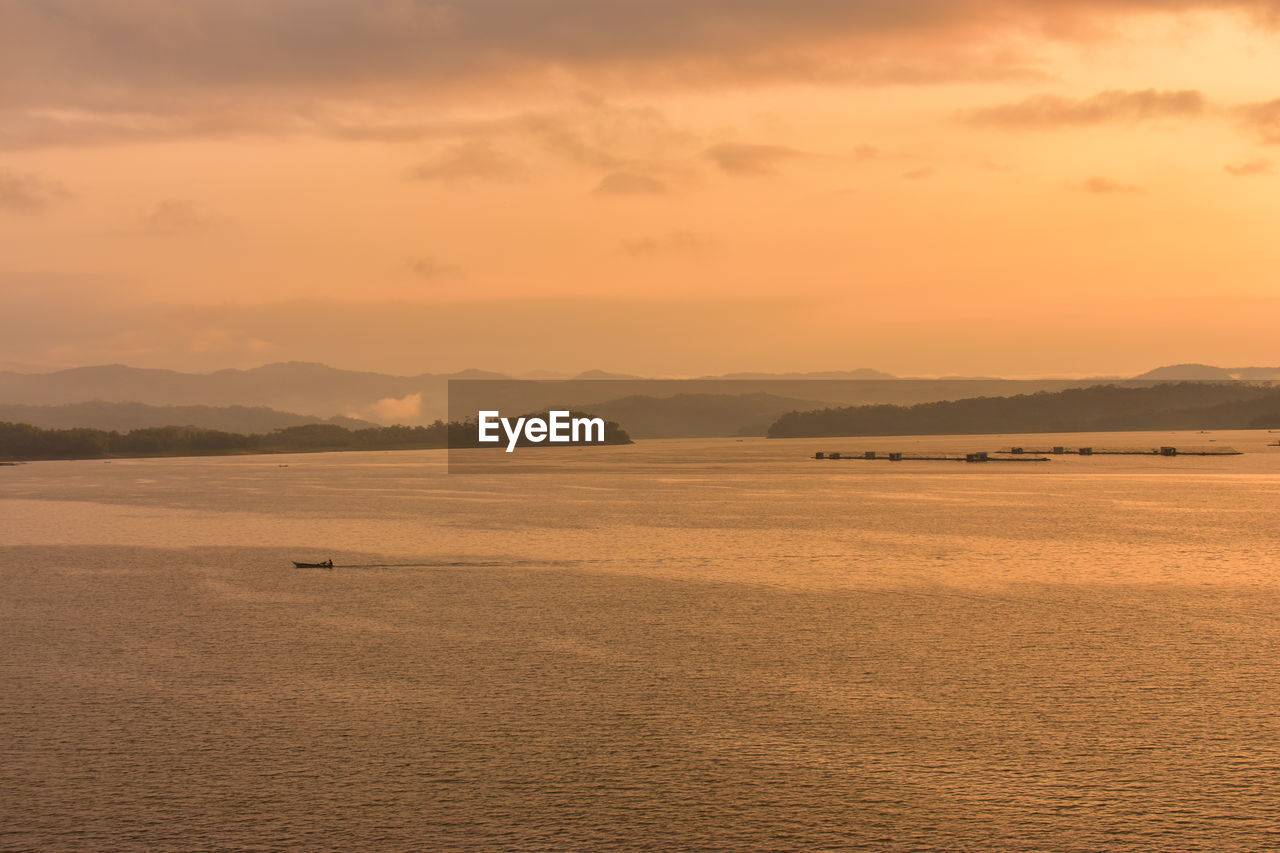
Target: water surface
[{"x": 677, "y": 645}]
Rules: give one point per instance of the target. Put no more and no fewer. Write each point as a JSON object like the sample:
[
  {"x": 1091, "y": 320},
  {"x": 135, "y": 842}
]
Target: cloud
[
  {"x": 176, "y": 216},
  {"x": 1260, "y": 166},
  {"x": 919, "y": 174},
  {"x": 470, "y": 161},
  {"x": 91, "y": 73},
  {"x": 427, "y": 267},
  {"x": 63, "y": 125},
  {"x": 129, "y": 47},
  {"x": 139, "y": 49},
  {"x": 600, "y": 134},
  {"x": 398, "y": 409},
  {"x": 678, "y": 242},
  {"x": 738, "y": 158},
  {"x": 1262, "y": 119},
  {"x": 629, "y": 183},
  {"x": 1106, "y": 186},
  {"x": 588, "y": 131},
  {"x": 26, "y": 193},
  {"x": 1115, "y": 105},
  {"x": 94, "y": 73}
]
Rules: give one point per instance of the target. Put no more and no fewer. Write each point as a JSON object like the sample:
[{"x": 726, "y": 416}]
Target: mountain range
[{"x": 267, "y": 397}]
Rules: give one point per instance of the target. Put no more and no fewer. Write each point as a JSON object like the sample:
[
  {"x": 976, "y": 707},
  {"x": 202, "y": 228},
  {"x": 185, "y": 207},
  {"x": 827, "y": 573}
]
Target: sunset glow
[{"x": 926, "y": 188}]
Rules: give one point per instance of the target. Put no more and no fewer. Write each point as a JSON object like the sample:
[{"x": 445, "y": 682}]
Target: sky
[{"x": 668, "y": 187}]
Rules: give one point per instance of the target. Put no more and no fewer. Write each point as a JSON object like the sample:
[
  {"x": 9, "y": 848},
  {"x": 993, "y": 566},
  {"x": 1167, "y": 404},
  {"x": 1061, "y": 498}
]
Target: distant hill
[
  {"x": 601, "y": 375},
  {"x": 698, "y": 415},
  {"x": 122, "y": 417},
  {"x": 1206, "y": 372},
  {"x": 1184, "y": 405},
  {"x": 859, "y": 374}
]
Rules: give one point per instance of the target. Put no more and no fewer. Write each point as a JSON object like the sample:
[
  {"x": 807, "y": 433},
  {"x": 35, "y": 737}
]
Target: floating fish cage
[
  {"x": 1164, "y": 450},
  {"x": 1019, "y": 453},
  {"x": 902, "y": 456}
]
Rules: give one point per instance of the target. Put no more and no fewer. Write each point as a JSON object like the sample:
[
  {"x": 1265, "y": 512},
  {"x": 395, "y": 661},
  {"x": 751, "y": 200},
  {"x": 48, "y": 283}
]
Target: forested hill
[{"x": 1099, "y": 408}]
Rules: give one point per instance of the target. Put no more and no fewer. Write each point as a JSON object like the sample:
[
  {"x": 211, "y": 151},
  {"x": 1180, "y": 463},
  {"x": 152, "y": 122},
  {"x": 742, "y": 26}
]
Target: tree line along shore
[
  {"x": 1098, "y": 408},
  {"x": 26, "y": 443}
]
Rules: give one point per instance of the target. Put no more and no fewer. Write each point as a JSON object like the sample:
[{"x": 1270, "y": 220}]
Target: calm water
[{"x": 709, "y": 645}]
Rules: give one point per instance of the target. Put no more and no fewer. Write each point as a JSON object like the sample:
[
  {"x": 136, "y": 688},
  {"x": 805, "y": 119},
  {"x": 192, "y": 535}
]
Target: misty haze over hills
[{"x": 266, "y": 398}]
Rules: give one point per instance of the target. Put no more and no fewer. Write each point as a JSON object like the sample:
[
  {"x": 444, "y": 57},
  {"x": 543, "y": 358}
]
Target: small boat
[{"x": 327, "y": 564}]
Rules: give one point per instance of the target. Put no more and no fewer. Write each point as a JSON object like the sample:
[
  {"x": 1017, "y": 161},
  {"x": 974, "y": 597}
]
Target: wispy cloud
[
  {"x": 27, "y": 193},
  {"x": 429, "y": 268},
  {"x": 1262, "y": 119},
  {"x": 1106, "y": 186},
  {"x": 176, "y": 216},
  {"x": 597, "y": 133},
  {"x": 739, "y": 158},
  {"x": 1051, "y": 111},
  {"x": 629, "y": 183},
  {"x": 1260, "y": 166},
  {"x": 678, "y": 242},
  {"x": 589, "y": 133},
  {"x": 471, "y": 160}
]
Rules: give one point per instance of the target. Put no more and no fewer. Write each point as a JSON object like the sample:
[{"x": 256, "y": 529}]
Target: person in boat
[{"x": 328, "y": 564}]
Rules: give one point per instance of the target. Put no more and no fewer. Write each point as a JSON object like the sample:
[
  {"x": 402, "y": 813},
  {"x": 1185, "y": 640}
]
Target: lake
[{"x": 676, "y": 645}]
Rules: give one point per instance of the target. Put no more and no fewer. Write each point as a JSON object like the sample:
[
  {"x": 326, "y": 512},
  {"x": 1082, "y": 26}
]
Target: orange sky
[{"x": 674, "y": 188}]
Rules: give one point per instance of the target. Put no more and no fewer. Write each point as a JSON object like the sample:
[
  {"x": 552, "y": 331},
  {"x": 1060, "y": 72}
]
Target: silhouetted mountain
[
  {"x": 1207, "y": 372},
  {"x": 599, "y": 375},
  {"x": 1178, "y": 372},
  {"x": 123, "y": 417}
]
